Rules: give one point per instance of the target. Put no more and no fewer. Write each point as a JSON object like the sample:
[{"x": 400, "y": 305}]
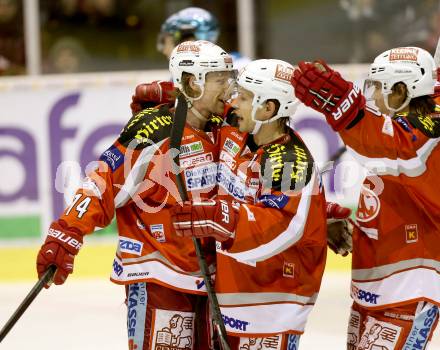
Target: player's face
[
  {"x": 243, "y": 102},
  {"x": 217, "y": 91},
  {"x": 373, "y": 92}
]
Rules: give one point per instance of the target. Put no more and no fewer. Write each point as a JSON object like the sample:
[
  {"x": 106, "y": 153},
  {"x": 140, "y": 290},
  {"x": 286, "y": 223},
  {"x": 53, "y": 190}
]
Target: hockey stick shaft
[
  {"x": 175, "y": 141},
  {"x": 36, "y": 289}
]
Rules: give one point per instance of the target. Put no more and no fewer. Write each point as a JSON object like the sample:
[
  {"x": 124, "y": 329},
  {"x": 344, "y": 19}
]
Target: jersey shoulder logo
[
  {"x": 428, "y": 124},
  {"x": 287, "y": 166},
  {"x": 148, "y": 127}
]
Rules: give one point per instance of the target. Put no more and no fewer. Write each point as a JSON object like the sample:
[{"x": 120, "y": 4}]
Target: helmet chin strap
[
  {"x": 191, "y": 107},
  {"x": 197, "y": 114},
  {"x": 259, "y": 123},
  {"x": 402, "y": 106}
]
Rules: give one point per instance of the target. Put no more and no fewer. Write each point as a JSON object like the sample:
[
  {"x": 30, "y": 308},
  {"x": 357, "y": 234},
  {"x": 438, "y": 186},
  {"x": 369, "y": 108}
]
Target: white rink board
[{"x": 90, "y": 315}]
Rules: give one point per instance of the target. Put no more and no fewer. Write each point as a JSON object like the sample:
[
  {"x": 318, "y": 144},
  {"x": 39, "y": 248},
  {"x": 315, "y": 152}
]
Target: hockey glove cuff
[
  {"x": 59, "y": 249},
  {"x": 211, "y": 218},
  {"x": 323, "y": 89}
]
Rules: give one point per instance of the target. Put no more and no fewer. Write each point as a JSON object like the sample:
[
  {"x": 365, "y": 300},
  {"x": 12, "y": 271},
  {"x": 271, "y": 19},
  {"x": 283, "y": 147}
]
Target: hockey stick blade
[
  {"x": 175, "y": 141},
  {"x": 36, "y": 289}
]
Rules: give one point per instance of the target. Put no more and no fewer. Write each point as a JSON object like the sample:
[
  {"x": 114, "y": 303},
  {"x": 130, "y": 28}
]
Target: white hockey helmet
[
  {"x": 269, "y": 79},
  {"x": 412, "y": 66},
  {"x": 198, "y": 58}
]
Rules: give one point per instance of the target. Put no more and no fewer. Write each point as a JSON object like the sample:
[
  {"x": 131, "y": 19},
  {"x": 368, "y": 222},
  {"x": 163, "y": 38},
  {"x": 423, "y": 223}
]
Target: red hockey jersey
[
  {"x": 396, "y": 259},
  {"x": 135, "y": 180},
  {"x": 277, "y": 259}
]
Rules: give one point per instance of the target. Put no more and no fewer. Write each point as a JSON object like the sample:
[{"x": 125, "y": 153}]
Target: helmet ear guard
[
  {"x": 269, "y": 79},
  {"x": 411, "y": 66}
]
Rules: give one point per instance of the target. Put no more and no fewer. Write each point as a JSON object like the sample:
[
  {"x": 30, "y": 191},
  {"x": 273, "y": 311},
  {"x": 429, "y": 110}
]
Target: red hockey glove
[
  {"x": 205, "y": 219},
  {"x": 321, "y": 88},
  {"x": 59, "y": 249},
  {"x": 152, "y": 94},
  {"x": 339, "y": 229}
]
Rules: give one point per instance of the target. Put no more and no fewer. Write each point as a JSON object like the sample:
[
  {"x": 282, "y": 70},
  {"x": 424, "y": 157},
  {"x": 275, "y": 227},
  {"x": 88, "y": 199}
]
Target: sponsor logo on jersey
[
  {"x": 272, "y": 342},
  {"x": 158, "y": 233},
  {"x": 288, "y": 269},
  {"x": 237, "y": 135},
  {"x": 173, "y": 330},
  {"x": 196, "y": 160},
  {"x": 136, "y": 305},
  {"x": 293, "y": 341},
  {"x": 361, "y": 294},
  {"x": 404, "y": 54},
  {"x": 130, "y": 246},
  {"x": 379, "y": 335},
  {"x": 427, "y": 122},
  {"x": 188, "y": 137},
  {"x": 231, "y": 147},
  {"x": 368, "y": 206},
  {"x": 411, "y": 233},
  {"x": 229, "y": 161},
  {"x": 298, "y": 167},
  {"x": 421, "y": 329},
  {"x": 190, "y": 149},
  {"x": 231, "y": 183},
  {"x": 201, "y": 177},
  {"x": 113, "y": 157},
  {"x": 283, "y": 73},
  {"x": 235, "y": 323},
  {"x": 117, "y": 268},
  {"x": 138, "y": 274},
  {"x": 354, "y": 324},
  {"x": 147, "y": 129},
  {"x": 274, "y": 201}
]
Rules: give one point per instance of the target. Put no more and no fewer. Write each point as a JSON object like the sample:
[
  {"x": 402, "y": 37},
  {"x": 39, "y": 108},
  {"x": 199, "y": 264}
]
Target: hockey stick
[
  {"x": 175, "y": 141},
  {"x": 48, "y": 275}
]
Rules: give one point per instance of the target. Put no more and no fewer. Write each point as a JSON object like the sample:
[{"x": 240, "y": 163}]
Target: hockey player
[
  {"x": 273, "y": 244},
  {"x": 191, "y": 23},
  {"x": 135, "y": 180},
  {"x": 395, "y": 279}
]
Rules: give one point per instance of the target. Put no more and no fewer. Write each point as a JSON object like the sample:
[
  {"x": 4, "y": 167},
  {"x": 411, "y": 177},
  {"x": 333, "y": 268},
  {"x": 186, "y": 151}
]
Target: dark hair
[
  {"x": 283, "y": 122},
  {"x": 185, "y": 84},
  {"x": 420, "y": 105}
]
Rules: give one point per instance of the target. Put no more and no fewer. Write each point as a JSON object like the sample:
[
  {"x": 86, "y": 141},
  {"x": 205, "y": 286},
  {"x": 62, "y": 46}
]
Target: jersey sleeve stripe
[
  {"x": 287, "y": 238},
  {"x": 137, "y": 173},
  {"x": 412, "y": 167},
  {"x": 235, "y": 299}
]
